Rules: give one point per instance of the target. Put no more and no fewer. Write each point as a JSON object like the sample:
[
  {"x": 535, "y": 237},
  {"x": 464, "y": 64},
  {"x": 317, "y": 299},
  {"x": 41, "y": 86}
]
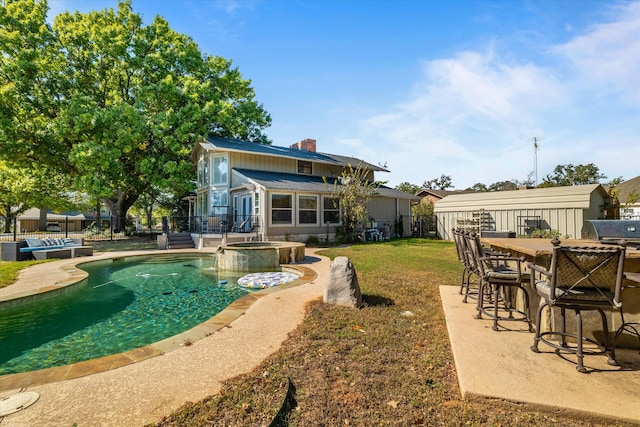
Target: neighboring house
[
  {"x": 29, "y": 221},
  {"x": 430, "y": 195},
  {"x": 520, "y": 212},
  {"x": 629, "y": 198},
  {"x": 279, "y": 193}
]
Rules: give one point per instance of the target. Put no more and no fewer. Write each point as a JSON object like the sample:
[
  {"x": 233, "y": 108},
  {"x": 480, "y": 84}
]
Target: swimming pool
[{"x": 124, "y": 303}]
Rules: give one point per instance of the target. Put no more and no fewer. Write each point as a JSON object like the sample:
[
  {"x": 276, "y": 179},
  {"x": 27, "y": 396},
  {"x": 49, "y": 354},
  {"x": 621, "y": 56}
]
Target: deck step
[{"x": 180, "y": 241}]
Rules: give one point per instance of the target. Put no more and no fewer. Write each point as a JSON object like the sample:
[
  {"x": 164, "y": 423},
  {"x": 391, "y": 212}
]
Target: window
[
  {"x": 219, "y": 202},
  {"x": 304, "y": 167},
  {"x": 219, "y": 171},
  {"x": 281, "y": 209},
  {"x": 331, "y": 210},
  {"x": 308, "y": 210},
  {"x": 256, "y": 201},
  {"x": 235, "y": 206},
  {"x": 202, "y": 204},
  {"x": 203, "y": 172}
]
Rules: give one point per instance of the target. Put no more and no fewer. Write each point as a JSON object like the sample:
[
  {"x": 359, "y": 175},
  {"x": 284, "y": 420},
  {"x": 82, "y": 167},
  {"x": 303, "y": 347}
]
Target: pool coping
[{"x": 106, "y": 363}]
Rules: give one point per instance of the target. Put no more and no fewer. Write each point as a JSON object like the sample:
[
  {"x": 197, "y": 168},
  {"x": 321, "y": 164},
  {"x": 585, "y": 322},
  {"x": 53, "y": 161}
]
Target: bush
[
  {"x": 545, "y": 234},
  {"x": 313, "y": 241}
]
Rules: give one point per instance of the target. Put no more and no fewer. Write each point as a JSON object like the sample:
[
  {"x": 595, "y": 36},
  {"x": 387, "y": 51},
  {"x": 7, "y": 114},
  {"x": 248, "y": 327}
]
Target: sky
[{"x": 460, "y": 88}]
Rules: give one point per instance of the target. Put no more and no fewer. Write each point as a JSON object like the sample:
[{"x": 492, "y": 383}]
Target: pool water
[{"x": 124, "y": 304}]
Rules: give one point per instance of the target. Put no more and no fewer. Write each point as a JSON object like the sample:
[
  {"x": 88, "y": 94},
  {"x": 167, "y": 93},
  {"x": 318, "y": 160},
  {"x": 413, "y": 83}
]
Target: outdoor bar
[{"x": 539, "y": 251}]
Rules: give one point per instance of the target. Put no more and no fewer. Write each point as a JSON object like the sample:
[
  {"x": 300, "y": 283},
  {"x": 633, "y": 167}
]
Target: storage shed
[{"x": 520, "y": 212}]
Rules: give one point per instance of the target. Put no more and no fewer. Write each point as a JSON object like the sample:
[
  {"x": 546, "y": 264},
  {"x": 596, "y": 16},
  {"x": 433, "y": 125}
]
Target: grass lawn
[
  {"x": 389, "y": 363},
  {"x": 9, "y": 270}
]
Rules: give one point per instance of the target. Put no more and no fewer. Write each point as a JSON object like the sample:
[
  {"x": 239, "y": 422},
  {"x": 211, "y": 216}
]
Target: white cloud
[
  {"x": 469, "y": 118},
  {"x": 473, "y": 115},
  {"x": 609, "y": 54}
]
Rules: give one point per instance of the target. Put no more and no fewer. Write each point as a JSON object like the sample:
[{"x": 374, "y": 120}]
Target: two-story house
[{"x": 280, "y": 193}]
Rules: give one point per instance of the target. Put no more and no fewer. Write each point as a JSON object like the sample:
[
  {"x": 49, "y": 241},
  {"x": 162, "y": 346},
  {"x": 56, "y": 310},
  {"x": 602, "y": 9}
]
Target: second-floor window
[
  {"x": 305, "y": 167},
  {"x": 219, "y": 170}
]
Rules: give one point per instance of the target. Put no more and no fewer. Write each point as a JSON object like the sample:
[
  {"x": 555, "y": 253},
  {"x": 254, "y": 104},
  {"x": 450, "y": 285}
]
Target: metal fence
[
  {"x": 212, "y": 224},
  {"x": 89, "y": 230}
]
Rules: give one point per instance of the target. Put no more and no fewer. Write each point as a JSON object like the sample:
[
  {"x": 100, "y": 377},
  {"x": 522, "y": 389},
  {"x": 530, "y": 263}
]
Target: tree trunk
[
  {"x": 7, "y": 219},
  {"x": 42, "y": 223},
  {"x": 149, "y": 212},
  {"x": 119, "y": 208}
]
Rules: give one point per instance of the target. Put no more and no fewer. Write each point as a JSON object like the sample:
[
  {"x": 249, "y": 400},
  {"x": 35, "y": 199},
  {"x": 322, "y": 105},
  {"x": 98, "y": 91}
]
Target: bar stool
[{"x": 500, "y": 275}]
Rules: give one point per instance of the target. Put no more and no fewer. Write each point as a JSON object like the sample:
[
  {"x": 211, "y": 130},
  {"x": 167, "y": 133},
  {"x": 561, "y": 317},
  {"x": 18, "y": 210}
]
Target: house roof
[
  {"x": 213, "y": 143},
  {"x": 440, "y": 193},
  {"x": 310, "y": 183},
  {"x": 575, "y": 196},
  {"x": 627, "y": 188}
]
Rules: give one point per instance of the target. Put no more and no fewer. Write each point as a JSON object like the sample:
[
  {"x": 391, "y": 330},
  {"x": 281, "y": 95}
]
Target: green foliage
[
  {"x": 354, "y": 188},
  {"x": 115, "y": 104},
  {"x": 478, "y": 187},
  {"x": 545, "y": 234},
  {"x": 565, "y": 175},
  {"x": 408, "y": 188},
  {"x": 441, "y": 183},
  {"x": 504, "y": 186},
  {"x": 313, "y": 241},
  {"x": 633, "y": 197}
]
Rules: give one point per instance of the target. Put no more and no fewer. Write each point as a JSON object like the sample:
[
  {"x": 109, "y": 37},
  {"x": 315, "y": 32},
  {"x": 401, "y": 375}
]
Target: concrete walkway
[
  {"x": 144, "y": 392},
  {"x": 501, "y": 366}
]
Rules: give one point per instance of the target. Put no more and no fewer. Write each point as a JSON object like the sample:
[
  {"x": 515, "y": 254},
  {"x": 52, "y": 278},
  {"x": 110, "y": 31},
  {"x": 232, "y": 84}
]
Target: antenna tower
[{"x": 535, "y": 160}]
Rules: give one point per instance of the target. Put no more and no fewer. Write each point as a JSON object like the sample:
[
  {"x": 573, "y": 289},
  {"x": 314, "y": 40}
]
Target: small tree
[
  {"x": 566, "y": 175},
  {"x": 441, "y": 183},
  {"x": 354, "y": 189}
]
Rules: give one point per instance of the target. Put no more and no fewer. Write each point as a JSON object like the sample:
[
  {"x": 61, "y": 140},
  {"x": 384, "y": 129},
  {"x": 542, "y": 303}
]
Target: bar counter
[{"x": 539, "y": 251}]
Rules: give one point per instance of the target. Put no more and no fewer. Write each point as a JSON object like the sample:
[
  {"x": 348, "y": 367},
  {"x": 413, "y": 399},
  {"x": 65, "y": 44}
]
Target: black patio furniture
[
  {"x": 625, "y": 326},
  {"x": 464, "y": 257},
  {"x": 580, "y": 278},
  {"x": 501, "y": 276}
]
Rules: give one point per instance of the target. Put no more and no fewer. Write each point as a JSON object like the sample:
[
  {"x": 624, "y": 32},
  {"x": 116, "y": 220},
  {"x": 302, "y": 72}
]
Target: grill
[{"x": 612, "y": 231}]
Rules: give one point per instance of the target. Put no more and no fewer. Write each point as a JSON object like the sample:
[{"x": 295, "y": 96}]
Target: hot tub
[{"x": 259, "y": 256}]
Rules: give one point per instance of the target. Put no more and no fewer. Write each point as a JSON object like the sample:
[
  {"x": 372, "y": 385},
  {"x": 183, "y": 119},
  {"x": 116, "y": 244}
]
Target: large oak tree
[{"x": 115, "y": 104}]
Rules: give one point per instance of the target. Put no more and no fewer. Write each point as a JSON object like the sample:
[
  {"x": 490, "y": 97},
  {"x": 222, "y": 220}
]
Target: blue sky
[{"x": 428, "y": 87}]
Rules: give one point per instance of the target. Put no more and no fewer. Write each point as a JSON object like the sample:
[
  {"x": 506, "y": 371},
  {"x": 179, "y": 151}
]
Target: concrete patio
[{"x": 500, "y": 366}]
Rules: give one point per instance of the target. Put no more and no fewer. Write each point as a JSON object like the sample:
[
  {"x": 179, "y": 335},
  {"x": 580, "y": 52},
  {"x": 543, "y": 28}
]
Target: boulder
[{"x": 342, "y": 287}]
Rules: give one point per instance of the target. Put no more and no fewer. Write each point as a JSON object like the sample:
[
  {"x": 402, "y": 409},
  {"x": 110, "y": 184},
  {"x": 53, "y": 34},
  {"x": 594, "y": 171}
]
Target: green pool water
[{"x": 124, "y": 304}]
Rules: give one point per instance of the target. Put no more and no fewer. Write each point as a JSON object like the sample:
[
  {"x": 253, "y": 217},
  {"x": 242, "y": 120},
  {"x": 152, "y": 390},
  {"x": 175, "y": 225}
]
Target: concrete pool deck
[{"x": 151, "y": 383}]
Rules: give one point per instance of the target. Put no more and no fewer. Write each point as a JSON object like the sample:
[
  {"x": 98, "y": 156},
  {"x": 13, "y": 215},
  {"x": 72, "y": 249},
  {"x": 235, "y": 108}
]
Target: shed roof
[
  {"x": 310, "y": 183},
  {"x": 575, "y": 196}
]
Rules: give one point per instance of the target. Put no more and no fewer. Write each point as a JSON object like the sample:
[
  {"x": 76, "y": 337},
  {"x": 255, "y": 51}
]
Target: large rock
[{"x": 342, "y": 287}]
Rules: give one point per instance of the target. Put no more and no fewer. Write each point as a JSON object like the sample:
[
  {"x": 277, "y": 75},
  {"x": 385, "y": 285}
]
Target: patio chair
[
  {"x": 239, "y": 228},
  {"x": 579, "y": 279},
  {"x": 501, "y": 276},
  {"x": 459, "y": 241}
]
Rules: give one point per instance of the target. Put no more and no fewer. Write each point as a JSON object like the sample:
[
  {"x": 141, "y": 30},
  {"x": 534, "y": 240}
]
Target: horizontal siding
[
  {"x": 275, "y": 164},
  {"x": 263, "y": 163}
]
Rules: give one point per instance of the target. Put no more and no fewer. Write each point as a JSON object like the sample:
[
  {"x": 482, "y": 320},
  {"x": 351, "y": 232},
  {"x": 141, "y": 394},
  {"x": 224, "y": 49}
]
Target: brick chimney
[{"x": 306, "y": 145}]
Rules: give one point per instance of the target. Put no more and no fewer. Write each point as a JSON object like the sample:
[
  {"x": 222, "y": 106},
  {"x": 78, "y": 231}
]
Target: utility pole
[{"x": 535, "y": 160}]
